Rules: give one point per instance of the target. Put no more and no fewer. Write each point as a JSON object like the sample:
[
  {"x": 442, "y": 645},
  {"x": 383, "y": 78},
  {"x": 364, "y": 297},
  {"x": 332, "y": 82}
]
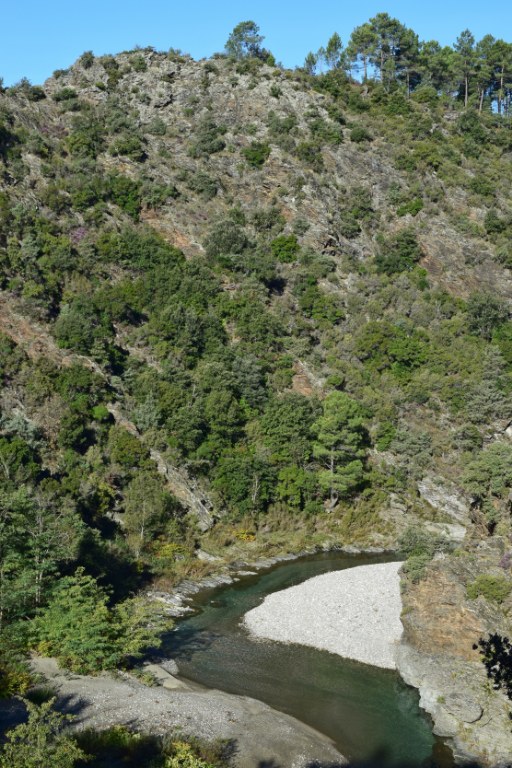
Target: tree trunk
[
  {"x": 500, "y": 92},
  {"x": 466, "y": 90}
]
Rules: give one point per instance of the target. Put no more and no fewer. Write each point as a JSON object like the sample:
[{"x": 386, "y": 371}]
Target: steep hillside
[{"x": 244, "y": 309}]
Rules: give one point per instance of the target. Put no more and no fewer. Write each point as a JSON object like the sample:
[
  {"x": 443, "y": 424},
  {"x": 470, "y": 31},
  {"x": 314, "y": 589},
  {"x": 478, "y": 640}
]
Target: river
[{"x": 368, "y": 712}]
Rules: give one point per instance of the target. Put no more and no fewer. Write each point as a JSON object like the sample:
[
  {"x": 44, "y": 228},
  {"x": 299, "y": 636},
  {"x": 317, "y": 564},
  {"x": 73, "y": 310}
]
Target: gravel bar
[{"x": 354, "y": 613}]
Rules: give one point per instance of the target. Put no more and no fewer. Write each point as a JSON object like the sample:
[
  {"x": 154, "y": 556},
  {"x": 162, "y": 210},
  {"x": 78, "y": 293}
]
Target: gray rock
[
  {"x": 456, "y": 694},
  {"x": 445, "y": 498}
]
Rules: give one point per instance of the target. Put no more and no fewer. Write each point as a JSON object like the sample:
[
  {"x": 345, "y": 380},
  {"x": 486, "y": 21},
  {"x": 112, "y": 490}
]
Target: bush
[
  {"x": 225, "y": 237},
  {"x": 126, "y": 193},
  {"x": 86, "y": 636},
  {"x": 208, "y": 139},
  {"x": 413, "y": 207},
  {"x": 138, "y": 63},
  {"x": 128, "y": 145},
  {"x": 87, "y": 59},
  {"x": 41, "y": 741},
  {"x": 398, "y": 254},
  {"x": 310, "y": 153},
  {"x": 495, "y": 589},
  {"x": 358, "y": 134},
  {"x": 205, "y": 186},
  {"x": 285, "y": 248},
  {"x": 65, "y": 94},
  {"x": 256, "y": 154}
]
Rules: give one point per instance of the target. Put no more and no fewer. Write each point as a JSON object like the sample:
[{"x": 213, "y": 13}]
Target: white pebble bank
[{"x": 354, "y": 613}]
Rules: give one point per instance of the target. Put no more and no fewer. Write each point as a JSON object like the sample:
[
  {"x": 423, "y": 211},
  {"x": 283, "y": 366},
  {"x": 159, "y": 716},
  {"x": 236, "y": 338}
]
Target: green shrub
[
  {"x": 285, "y": 248},
  {"x": 496, "y": 589},
  {"x": 205, "y": 186},
  {"x": 399, "y": 253},
  {"x": 256, "y": 154},
  {"x": 358, "y": 134},
  {"x": 208, "y": 139},
  {"x": 80, "y": 629},
  {"x": 126, "y": 193},
  {"x": 65, "y": 94},
  {"x": 415, "y": 566},
  {"x": 128, "y": 145},
  {"x": 310, "y": 153},
  {"x": 138, "y": 63},
  {"x": 87, "y": 59},
  {"x": 413, "y": 207}
]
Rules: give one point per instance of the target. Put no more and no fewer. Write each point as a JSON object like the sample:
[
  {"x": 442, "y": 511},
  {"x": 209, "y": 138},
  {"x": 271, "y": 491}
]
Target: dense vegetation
[{"x": 299, "y": 312}]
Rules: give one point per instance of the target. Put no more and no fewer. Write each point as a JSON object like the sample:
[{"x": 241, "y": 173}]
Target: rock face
[
  {"x": 437, "y": 657},
  {"x": 446, "y": 499}
]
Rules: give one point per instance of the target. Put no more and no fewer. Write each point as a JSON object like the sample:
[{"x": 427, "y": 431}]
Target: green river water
[{"x": 368, "y": 712}]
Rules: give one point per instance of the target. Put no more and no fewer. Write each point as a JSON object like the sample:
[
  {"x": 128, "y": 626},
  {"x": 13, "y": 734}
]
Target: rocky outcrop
[
  {"x": 436, "y": 656},
  {"x": 445, "y": 498}
]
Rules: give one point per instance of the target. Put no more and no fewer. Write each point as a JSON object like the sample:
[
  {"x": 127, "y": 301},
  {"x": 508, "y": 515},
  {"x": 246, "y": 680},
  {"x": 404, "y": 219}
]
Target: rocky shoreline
[{"x": 177, "y": 601}]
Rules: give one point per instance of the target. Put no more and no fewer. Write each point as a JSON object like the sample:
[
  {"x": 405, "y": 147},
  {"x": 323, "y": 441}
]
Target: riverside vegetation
[{"x": 244, "y": 308}]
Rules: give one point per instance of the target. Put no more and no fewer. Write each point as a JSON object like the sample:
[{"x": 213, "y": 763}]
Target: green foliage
[
  {"x": 360, "y": 135},
  {"x": 208, "y": 139},
  {"x": 310, "y": 153},
  {"x": 87, "y": 59},
  {"x": 125, "y": 449},
  {"x": 495, "y": 589},
  {"x": 485, "y": 313},
  {"x": 42, "y": 740},
  {"x": 126, "y": 193},
  {"x": 285, "y": 248},
  {"x": 245, "y": 40},
  {"x": 138, "y": 63},
  {"x": 128, "y": 145},
  {"x": 85, "y": 635},
  {"x": 413, "y": 207},
  {"x": 341, "y": 439},
  {"x": 225, "y": 237},
  {"x": 256, "y": 154},
  {"x": 419, "y": 547},
  {"x": 398, "y": 253}
]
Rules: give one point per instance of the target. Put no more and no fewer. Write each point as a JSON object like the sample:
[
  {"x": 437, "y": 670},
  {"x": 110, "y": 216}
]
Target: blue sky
[{"x": 39, "y": 37}]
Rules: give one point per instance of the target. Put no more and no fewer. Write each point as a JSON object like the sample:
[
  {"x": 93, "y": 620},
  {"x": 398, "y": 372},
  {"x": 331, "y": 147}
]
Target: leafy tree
[
  {"x": 485, "y": 314},
  {"x": 361, "y": 45},
  {"x": 146, "y": 507},
  {"x": 466, "y": 59},
  {"x": 42, "y": 740},
  {"x": 310, "y": 63},
  {"x": 86, "y": 636},
  {"x": 286, "y": 426},
  {"x": 36, "y": 535},
  {"x": 340, "y": 445},
  {"x": 285, "y": 248},
  {"x": 245, "y": 40},
  {"x": 125, "y": 449}
]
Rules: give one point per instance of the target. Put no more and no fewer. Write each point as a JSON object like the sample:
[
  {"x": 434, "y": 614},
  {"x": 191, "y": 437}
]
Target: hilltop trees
[{"x": 244, "y": 41}]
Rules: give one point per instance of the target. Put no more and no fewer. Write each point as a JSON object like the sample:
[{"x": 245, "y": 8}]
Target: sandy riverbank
[{"x": 354, "y": 613}]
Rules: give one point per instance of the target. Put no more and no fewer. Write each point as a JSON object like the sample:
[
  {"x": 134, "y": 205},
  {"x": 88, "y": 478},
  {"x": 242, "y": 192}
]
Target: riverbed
[{"x": 370, "y": 714}]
